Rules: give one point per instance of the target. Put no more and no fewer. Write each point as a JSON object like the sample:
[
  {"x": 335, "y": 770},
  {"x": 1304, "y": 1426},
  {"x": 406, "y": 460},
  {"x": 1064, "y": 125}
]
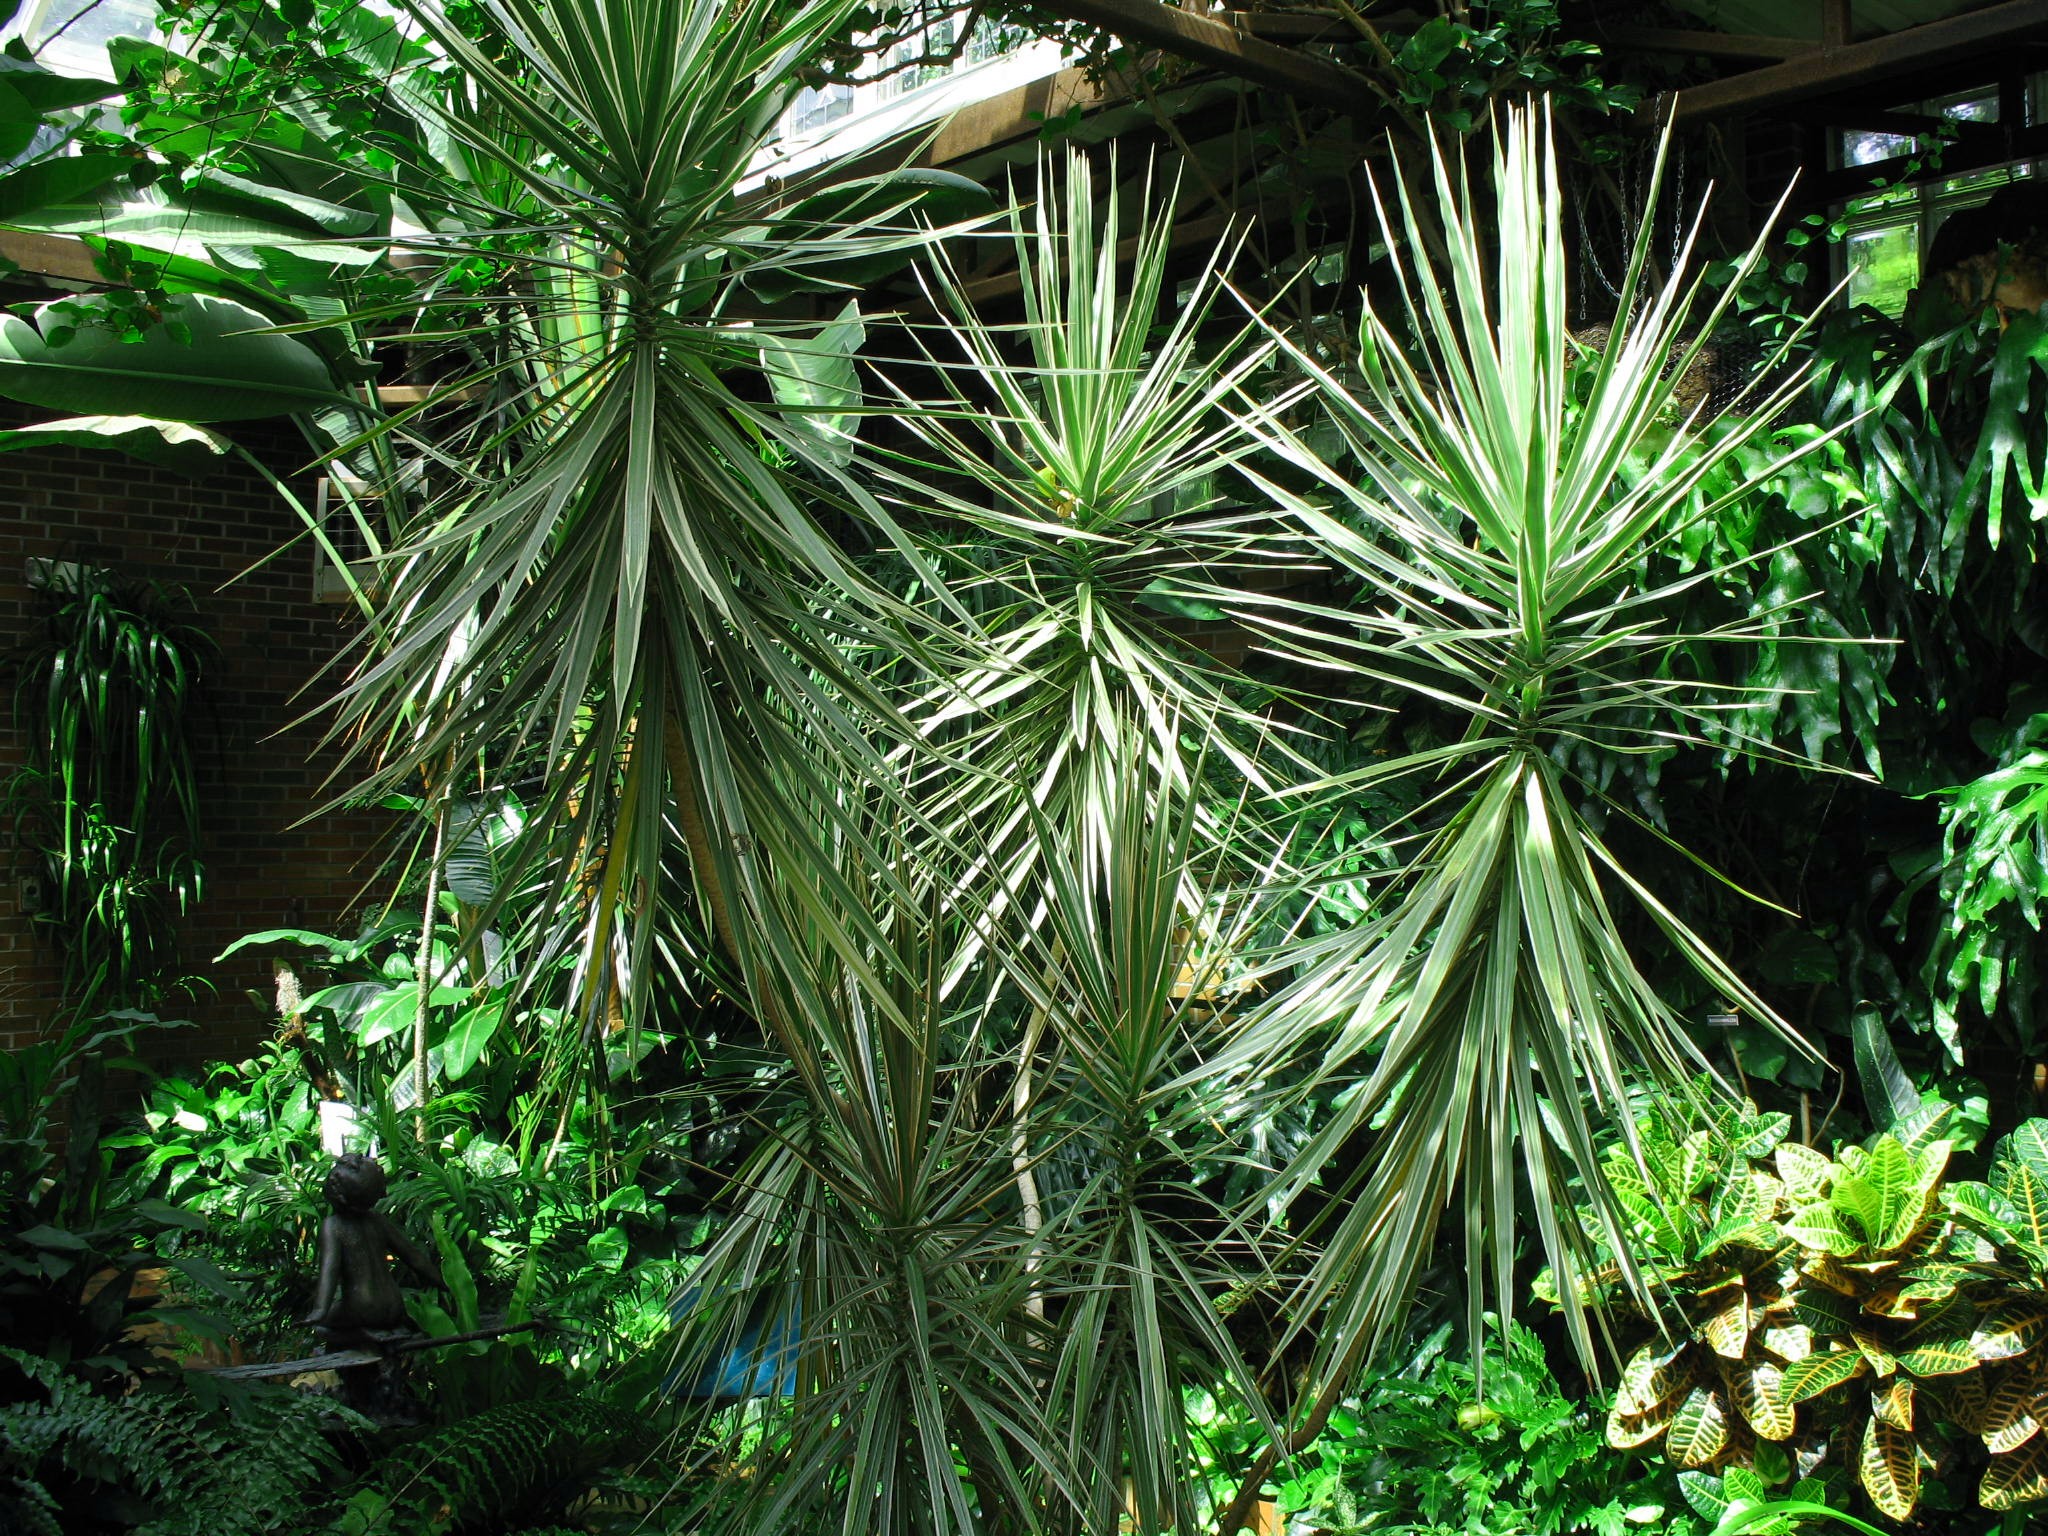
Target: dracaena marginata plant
[
  {"x": 983, "y": 1294},
  {"x": 619, "y": 585},
  {"x": 1498, "y": 493},
  {"x": 1075, "y": 461}
]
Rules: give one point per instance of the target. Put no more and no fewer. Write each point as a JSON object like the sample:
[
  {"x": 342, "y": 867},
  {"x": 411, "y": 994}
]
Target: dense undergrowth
[{"x": 881, "y": 1032}]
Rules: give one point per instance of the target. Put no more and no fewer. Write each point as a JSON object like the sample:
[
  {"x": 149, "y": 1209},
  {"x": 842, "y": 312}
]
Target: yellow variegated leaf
[
  {"x": 1881, "y": 1359},
  {"x": 1967, "y": 1398},
  {"x": 1699, "y": 1429},
  {"x": 2008, "y": 1330},
  {"x": 2012, "y": 1434},
  {"x": 1939, "y": 1357},
  {"x": 2008, "y": 1402},
  {"x": 1932, "y": 1282},
  {"x": 2027, "y": 1190},
  {"x": 1822, "y": 1373},
  {"x": 1826, "y": 1269},
  {"x": 1894, "y": 1404},
  {"x": 1653, "y": 1376},
  {"x": 1727, "y": 1331},
  {"x": 2016, "y": 1478},
  {"x": 1789, "y": 1341},
  {"x": 1627, "y": 1431},
  {"x": 1820, "y": 1226},
  {"x": 1805, "y": 1171},
  {"x": 1758, "y": 1392},
  {"x": 1889, "y": 1465}
]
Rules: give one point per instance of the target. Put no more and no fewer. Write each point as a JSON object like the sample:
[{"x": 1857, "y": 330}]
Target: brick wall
[{"x": 257, "y": 772}]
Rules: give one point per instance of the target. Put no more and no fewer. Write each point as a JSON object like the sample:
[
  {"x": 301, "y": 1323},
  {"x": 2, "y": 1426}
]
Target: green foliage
[
  {"x": 173, "y": 1455},
  {"x": 1428, "y": 1451},
  {"x": 1851, "y": 1318},
  {"x": 491, "y": 1467},
  {"x": 1994, "y": 882},
  {"x": 106, "y": 808}
]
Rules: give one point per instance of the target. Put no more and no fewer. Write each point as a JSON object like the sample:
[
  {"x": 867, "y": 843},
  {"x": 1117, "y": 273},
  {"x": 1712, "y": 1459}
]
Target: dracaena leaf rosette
[
  {"x": 618, "y": 586},
  {"x": 1496, "y": 499},
  {"x": 988, "y": 1237},
  {"x": 1077, "y": 460}
]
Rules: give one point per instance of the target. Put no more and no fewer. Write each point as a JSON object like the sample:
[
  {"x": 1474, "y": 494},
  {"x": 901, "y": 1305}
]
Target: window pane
[
  {"x": 71, "y": 36},
  {"x": 1860, "y": 148},
  {"x": 1884, "y": 265}
]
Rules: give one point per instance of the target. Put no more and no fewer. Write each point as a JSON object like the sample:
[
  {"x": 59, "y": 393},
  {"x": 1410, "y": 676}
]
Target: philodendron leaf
[
  {"x": 207, "y": 360},
  {"x": 1698, "y": 1430},
  {"x": 1889, "y": 1467},
  {"x": 469, "y": 1034},
  {"x": 178, "y": 445},
  {"x": 815, "y": 380},
  {"x": 1888, "y": 1093},
  {"x": 2018, "y": 1478}
]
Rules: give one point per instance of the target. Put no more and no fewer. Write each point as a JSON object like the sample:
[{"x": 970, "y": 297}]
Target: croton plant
[{"x": 1848, "y": 1318}]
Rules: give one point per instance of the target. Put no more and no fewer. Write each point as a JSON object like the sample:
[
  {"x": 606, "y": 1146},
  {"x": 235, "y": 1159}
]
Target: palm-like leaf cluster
[
  {"x": 991, "y": 868},
  {"x": 1508, "y": 493}
]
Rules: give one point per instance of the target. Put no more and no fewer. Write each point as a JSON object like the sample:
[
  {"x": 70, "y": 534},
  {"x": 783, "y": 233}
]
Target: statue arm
[
  {"x": 409, "y": 1253},
  {"x": 326, "y": 1288}
]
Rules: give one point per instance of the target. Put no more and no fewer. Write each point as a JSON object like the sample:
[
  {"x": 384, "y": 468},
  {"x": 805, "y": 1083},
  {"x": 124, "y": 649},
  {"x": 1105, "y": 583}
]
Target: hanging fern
[
  {"x": 485, "y": 1469},
  {"x": 202, "y": 1457}
]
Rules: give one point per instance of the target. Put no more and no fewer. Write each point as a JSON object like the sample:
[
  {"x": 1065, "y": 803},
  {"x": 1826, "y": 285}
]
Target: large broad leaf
[
  {"x": 208, "y": 360},
  {"x": 2010, "y": 1329},
  {"x": 1821, "y": 1373},
  {"x": 1758, "y": 1392},
  {"x": 815, "y": 379},
  {"x": 469, "y": 1034},
  {"x": 2020, "y": 1477},
  {"x": 173, "y": 444},
  {"x": 41, "y": 91},
  {"x": 1889, "y": 1466},
  {"x": 61, "y": 179},
  {"x": 1698, "y": 1431},
  {"x": 1888, "y": 1093}
]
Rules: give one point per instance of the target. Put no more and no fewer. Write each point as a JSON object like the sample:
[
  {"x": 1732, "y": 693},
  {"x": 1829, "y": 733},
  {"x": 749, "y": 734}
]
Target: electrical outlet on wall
[{"x": 28, "y": 893}]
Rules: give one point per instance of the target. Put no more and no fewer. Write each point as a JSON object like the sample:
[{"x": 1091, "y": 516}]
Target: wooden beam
[
  {"x": 1015, "y": 114},
  {"x": 1835, "y": 26},
  {"x": 1290, "y": 26},
  {"x": 64, "y": 257},
  {"x": 1853, "y": 65},
  {"x": 1207, "y": 41},
  {"x": 1712, "y": 45}
]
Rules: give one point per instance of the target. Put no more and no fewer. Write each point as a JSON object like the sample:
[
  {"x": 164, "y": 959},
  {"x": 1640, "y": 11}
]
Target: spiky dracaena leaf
[{"x": 1505, "y": 501}]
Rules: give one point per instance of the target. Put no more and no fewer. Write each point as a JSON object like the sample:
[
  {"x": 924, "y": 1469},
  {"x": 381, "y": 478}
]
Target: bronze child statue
[{"x": 356, "y": 1299}]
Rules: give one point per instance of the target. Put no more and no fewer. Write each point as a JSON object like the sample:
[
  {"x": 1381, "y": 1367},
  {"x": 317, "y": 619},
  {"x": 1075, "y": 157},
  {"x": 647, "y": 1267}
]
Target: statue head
[{"x": 356, "y": 1182}]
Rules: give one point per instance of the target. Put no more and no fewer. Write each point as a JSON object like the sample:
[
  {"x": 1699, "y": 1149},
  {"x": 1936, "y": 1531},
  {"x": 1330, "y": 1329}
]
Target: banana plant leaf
[
  {"x": 205, "y": 360},
  {"x": 173, "y": 444}
]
